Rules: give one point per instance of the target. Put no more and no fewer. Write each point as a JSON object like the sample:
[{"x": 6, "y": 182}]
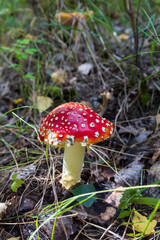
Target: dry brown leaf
[
  {"x": 155, "y": 155},
  {"x": 115, "y": 197},
  {"x": 109, "y": 213},
  {"x": 63, "y": 228},
  {"x": 129, "y": 129},
  {"x": 131, "y": 173}
]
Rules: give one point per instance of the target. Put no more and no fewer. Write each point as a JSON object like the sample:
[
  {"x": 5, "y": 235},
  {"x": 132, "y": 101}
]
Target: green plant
[
  {"x": 22, "y": 50},
  {"x": 16, "y": 183},
  {"x": 14, "y": 16},
  {"x": 135, "y": 196},
  {"x": 85, "y": 188}
]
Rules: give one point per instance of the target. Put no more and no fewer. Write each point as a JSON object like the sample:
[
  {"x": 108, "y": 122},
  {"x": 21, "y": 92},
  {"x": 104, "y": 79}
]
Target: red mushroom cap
[{"x": 73, "y": 122}]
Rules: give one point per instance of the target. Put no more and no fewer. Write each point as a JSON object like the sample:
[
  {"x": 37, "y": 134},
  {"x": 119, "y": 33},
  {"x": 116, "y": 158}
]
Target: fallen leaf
[
  {"x": 115, "y": 197},
  {"x": 82, "y": 189},
  {"x": 18, "y": 100},
  {"x": 63, "y": 227},
  {"x": 16, "y": 184},
  {"x": 23, "y": 172},
  {"x": 109, "y": 213},
  {"x": 43, "y": 103},
  {"x": 85, "y": 68},
  {"x": 139, "y": 223},
  {"x": 73, "y": 80},
  {"x": 129, "y": 129},
  {"x": 59, "y": 77},
  {"x": 154, "y": 172},
  {"x": 140, "y": 138},
  {"x": 123, "y": 36},
  {"x": 28, "y": 201},
  {"x": 131, "y": 173},
  {"x": 155, "y": 155},
  {"x": 4, "y": 89},
  {"x": 107, "y": 173},
  {"x": 3, "y": 207}
]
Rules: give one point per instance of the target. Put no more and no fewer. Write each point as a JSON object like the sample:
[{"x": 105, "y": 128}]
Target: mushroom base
[{"x": 72, "y": 164}]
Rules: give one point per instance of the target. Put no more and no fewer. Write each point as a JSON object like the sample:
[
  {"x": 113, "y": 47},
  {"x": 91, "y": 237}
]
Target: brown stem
[{"x": 131, "y": 13}]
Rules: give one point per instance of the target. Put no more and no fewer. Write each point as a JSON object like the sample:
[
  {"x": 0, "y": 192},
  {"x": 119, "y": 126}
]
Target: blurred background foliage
[{"x": 18, "y": 17}]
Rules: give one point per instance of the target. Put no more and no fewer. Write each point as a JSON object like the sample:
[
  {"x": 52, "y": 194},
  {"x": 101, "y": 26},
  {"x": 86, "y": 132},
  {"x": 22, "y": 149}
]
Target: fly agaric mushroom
[{"x": 73, "y": 126}]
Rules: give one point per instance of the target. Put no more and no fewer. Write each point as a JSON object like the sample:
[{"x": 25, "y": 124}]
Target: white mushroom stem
[{"x": 72, "y": 164}]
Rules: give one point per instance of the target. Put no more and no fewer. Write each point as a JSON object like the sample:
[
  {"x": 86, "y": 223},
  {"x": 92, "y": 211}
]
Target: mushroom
[
  {"x": 73, "y": 126},
  {"x": 72, "y": 18}
]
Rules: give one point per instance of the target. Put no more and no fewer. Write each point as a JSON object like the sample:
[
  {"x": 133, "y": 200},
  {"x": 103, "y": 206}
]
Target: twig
[{"x": 131, "y": 13}]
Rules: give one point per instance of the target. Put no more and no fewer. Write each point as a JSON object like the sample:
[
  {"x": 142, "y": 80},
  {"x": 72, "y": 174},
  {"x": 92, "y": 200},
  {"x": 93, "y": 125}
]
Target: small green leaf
[
  {"x": 29, "y": 75},
  {"x": 124, "y": 214},
  {"x": 18, "y": 45},
  {"x": 17, "y": 51},
  {"x": 86, "y": 188},
  {"x": 16, "y": 66},
  {"x": 133, "y": 235},
  {"x": 23, "y": 55},
  {"x": 6, "y": 48},
  {"x": 31, "y": 51},
  {"x": 149, "y": 201},
  {"x": 126, "y": 223},
  {"x": 23, "y": 41},
  {"x": 17, "y": 183},
  {"x": 14, "y": 176},
  {"x": 13, "y": 187}
]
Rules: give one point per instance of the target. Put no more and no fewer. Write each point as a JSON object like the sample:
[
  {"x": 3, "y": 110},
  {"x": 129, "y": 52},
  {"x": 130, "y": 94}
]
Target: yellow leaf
[
  {"x": 123, "y": 36},
  {"x": 139, "y": 223},
  {"x": 59, "y": 77},
  {"x": 18, "y": 100},
  {"x": 43, "y": 103}
]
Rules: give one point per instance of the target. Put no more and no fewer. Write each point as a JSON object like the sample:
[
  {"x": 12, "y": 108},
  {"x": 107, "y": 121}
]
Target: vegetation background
[{"x": 109, "y": 62}]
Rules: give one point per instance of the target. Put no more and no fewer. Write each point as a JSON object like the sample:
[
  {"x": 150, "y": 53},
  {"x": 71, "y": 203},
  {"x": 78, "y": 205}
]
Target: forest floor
[{"x": 50, "y": 65}]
